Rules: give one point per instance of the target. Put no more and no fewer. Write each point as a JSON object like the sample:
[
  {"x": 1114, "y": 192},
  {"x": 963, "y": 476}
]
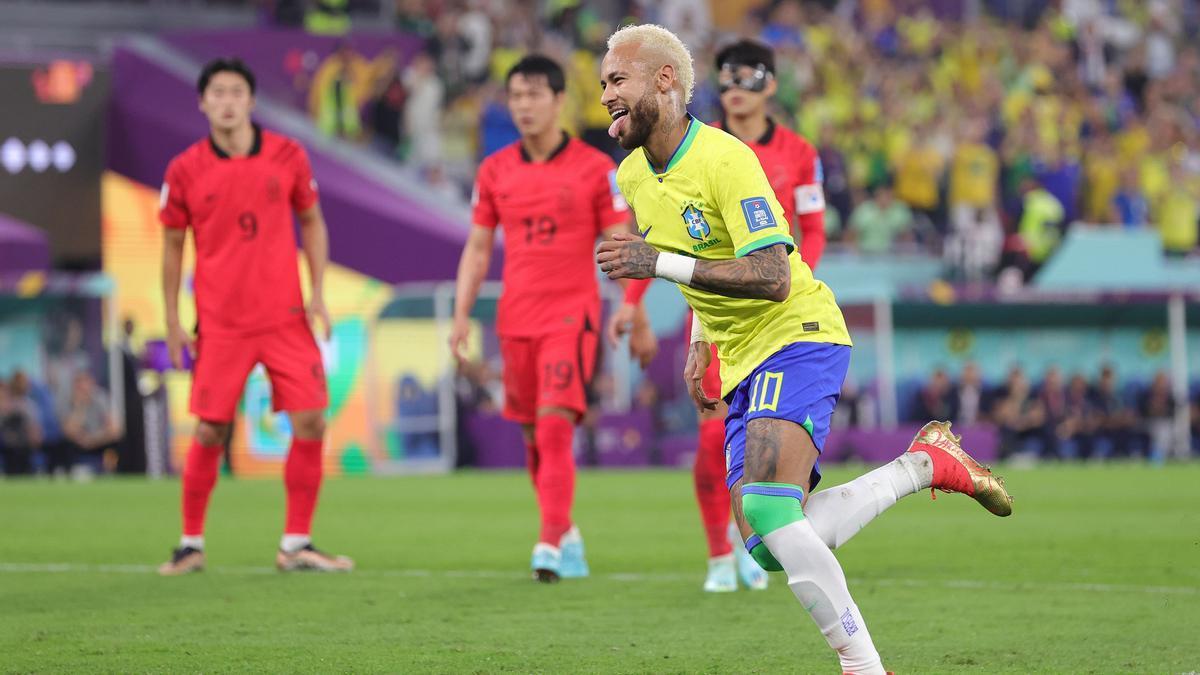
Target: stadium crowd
[
  {"x": 64, "y": 425},
  {"x": 1064, "y": 416},
  {"x": 978, "y": 134}
]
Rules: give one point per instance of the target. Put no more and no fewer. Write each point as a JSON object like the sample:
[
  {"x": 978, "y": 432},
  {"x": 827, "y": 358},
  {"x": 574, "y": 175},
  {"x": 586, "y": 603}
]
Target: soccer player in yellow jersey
[{"x": 711, "y": 224}]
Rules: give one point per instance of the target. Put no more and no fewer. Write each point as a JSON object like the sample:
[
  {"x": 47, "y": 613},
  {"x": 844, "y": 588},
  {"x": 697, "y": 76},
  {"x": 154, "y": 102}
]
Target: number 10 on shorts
[{"x": 764, "y": 392}]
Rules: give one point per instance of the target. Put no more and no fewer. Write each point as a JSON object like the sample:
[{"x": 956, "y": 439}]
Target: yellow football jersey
[{"x": 713, "y": 202}]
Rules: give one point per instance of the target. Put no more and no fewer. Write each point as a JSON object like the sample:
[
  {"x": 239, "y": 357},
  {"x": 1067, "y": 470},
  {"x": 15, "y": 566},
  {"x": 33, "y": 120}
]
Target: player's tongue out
[{"x": 618, "y": 125}]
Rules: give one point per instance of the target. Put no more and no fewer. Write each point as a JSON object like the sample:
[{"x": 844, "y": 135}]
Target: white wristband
[
  {"x": 675, "y": 267},
  {"x": 697, "y": 330}
]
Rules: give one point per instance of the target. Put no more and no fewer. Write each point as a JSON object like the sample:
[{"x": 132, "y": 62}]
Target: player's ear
[
  {"x": 665, "y": 78},
  {"x": 771, "y": 88}
]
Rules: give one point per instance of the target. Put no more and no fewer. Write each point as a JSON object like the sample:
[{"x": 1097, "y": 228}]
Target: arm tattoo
[
  {"x": 640, "y": 258},
  {"x": 764, "y": 274}
]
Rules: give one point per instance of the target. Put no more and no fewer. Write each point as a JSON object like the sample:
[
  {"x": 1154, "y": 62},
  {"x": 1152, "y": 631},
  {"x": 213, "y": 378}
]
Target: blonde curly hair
[{"x": 665, "y": 48}]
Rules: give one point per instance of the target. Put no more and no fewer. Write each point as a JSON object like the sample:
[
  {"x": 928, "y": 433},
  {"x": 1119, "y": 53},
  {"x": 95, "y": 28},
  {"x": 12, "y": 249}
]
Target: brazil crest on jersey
[{"x": 713, "y": 202}]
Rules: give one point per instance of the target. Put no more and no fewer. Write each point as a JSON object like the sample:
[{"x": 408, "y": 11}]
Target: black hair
[
  {"x": 747, "y": 53},
  {"x": 224, "y": 65},
  {"x": 534, "y": 65}
]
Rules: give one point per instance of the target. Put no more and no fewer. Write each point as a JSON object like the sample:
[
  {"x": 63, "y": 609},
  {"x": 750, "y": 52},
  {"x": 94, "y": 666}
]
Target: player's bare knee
[
  {"x": 308, "y": 424},
  {"x": 212, "y": 434},
  {"x": 739, "y": 518}
]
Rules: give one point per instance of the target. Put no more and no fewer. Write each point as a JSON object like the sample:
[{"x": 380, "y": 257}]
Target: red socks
[
  {"x": 199, "y": 478},
  {"x": 531, "y": 461},
  {"x": 302, "y": 479},
  {"x": 711, "y": 493},
  {"x": 555, "y": 479}
]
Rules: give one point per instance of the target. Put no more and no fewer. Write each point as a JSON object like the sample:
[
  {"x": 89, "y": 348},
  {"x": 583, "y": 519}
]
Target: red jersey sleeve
[
  {"x": 483, "y": 203},
  {"x": 304, "y": 189},
  {"x": 172, "y": 203},
  {"x": 635, "y": 290},
  {"x": 608, "y": 202},
  {"x": 810, "y": 207}
]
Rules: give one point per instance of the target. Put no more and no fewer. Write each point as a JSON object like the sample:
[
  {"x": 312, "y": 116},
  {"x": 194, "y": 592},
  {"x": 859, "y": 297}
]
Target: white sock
[
  {"x": 290, "y": 543},
  {"x": 726, "y": 559},
  {"x": 816, "y": 579},
  {"x": 838, "y": 513},
  {"x": 572, "y": 536},
  {"x": 192, "y": 542}
]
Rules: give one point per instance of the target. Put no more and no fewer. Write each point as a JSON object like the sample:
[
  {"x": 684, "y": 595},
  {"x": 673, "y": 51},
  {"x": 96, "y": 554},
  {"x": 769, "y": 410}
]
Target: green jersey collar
[{"x": 688, "y": 136}]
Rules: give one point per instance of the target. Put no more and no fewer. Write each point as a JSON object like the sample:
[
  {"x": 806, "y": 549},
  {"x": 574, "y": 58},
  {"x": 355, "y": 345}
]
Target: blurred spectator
[
  {"x": 89, "y": 425},
  {"x": 1053, "y": 400},
  {"x": 328, "y": 17},
  {"x": 1178, "y": 215},
  {"x": 1102, "y": 178},
  {"x": 856, "y": 408},
  {"x": 1041, "y": 217},
  {"x": 447, "y": 50},
  {"x": 422, "y": 113},
  {"x": 1114, "y": 420},
  {"x": 1058, "y": 174},
  {"x": 919, "y": 174},
  {"x": 416, "y": 419},
  {"x": 412, "y": 17},
  {"x": 1129, "y": 207},
  {"x": 20, "y": 427},
  {"x": 496, "y": 128},
  {"x": 880, "y": 222},
  {"x": 1019, "y": 417},
  {"x": 936, "y": 399},
  {"x": 969, "y": 402},
  {"x": 1078, "y": 424},
  {"x": 131, "y": 450},
  {"x": 67, "y": 359},
  {"x": 973, "y": 246},
  {"x": 475, "y": 27},
  {"x": 386, "y": 114},
  {"x": 691, "y": 20},
  {"x": 1157, "y": 408},
  {"x": 339, "y": 88},
  {"x": 837, "y": 181},
  {"x": 782, "y": 30}
]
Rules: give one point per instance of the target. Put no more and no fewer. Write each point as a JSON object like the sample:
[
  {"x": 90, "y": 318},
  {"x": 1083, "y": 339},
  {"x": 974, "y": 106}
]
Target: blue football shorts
[{"x": 800, "y": 383}]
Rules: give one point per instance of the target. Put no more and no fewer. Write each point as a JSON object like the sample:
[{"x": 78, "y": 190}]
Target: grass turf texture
[{"x": 1097, "y": 571}]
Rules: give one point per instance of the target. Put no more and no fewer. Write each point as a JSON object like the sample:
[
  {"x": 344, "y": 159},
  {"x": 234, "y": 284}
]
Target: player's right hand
[
  {"x": 178, "y": 341},
  {"x": 458, "y": 339},
  {"x": 698, "y": 358}
]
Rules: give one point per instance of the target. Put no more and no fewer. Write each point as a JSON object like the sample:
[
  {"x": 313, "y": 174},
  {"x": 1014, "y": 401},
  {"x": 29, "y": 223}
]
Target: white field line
[{"x": 625, "y": 577}]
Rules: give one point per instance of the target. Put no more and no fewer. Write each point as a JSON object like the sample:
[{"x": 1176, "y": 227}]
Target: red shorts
[
  {"x": 547, "y": 371},
  {"x": 292, "y": 360}
]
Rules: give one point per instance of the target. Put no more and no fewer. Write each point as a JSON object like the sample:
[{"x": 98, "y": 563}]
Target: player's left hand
[
  {"x": 698, "y": 358},
  {"x": 643, "y": 344},
  {"x": 620, "y": 323},
  {"x": 318, "y": 311},
  {"x": 626, "y": 256}
]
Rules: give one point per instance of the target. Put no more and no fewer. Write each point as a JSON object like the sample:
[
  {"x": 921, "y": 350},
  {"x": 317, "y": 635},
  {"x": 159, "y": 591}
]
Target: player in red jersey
[
  {"x": 237, "y": 190},
  {"x": 552, "y": 195},
  {"x": 746, "y": 72}
]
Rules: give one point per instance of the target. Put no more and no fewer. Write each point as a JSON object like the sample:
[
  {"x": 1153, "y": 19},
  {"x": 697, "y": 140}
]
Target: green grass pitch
[{"x": 1097, "y": 571}]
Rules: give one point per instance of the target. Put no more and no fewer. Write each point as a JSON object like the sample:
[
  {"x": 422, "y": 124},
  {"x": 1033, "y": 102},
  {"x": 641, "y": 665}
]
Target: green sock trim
[
  {"x": 770, "y": 506},
  {"x": 762, "y": 556}
]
